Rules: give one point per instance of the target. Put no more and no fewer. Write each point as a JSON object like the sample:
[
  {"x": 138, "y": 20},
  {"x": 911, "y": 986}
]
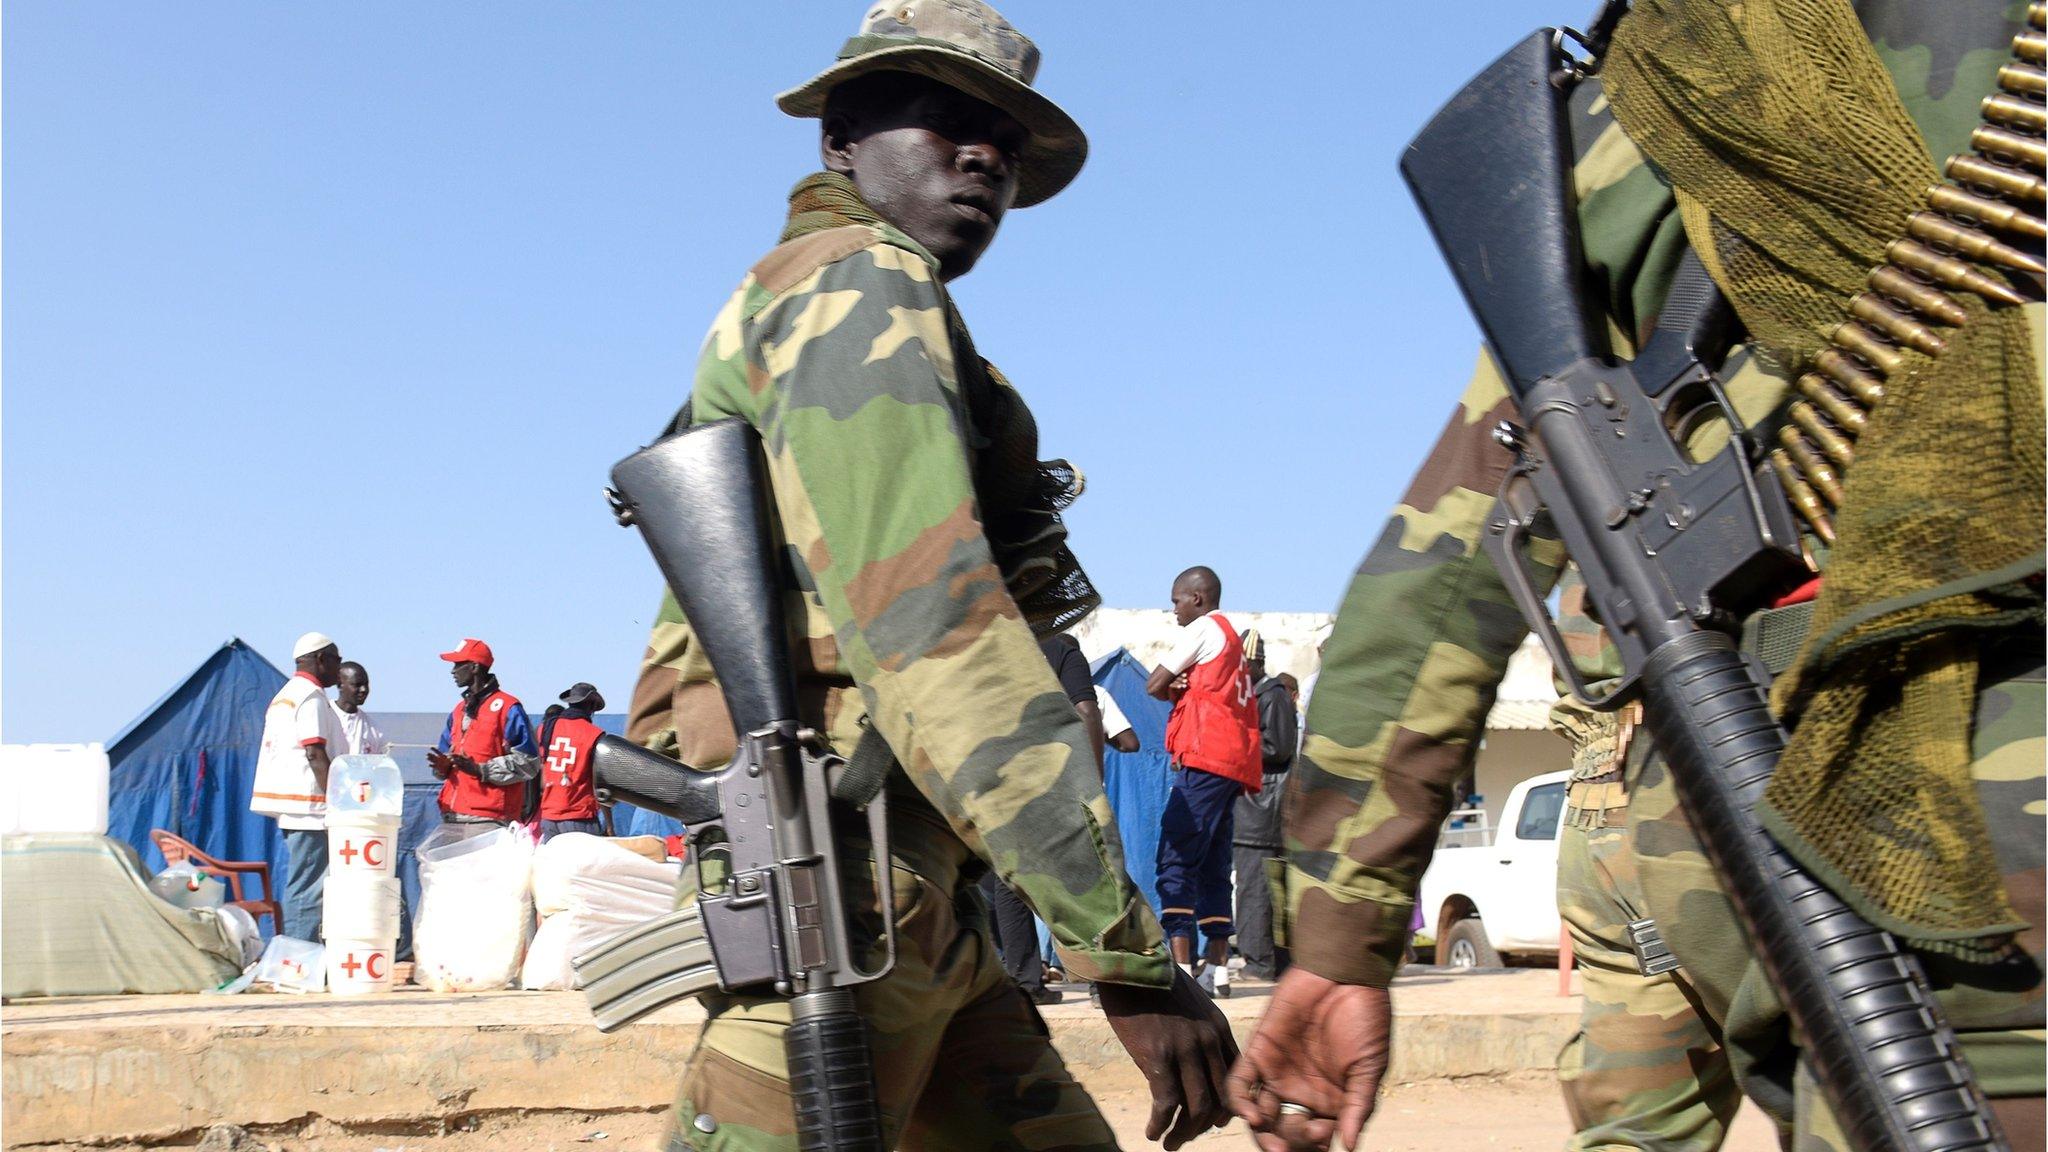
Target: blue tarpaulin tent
[
  {"x": 1137, "y": 782},
  {"x": 188, "y": 762}
]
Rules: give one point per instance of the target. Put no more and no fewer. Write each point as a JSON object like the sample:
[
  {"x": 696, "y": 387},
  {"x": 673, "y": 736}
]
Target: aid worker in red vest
[
  {"x": 486, "y": 755},
  {"x": 567, "y": 734},
  {"x": 1212, "y": 739}
]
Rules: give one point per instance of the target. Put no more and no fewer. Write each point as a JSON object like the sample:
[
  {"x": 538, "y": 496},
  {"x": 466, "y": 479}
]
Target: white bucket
[
  {"x": 362, "y": 846},
  {"x": 359, "y": 909},
  {"x": 359, "y": 967}
]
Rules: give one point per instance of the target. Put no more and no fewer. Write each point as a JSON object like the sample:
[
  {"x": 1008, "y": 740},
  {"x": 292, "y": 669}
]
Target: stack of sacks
[
  {"x": 587, "y": 890},
  {"x": 359, "y": 903}
]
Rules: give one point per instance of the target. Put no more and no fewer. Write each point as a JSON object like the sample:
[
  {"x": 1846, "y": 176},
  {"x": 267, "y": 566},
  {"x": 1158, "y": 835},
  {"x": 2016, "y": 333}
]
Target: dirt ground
[{"x": 1524, "y": 1114}]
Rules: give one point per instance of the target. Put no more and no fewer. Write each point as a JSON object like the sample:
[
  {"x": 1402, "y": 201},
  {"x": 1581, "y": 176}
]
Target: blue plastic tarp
[
  {"x": 188, "y": 763},
  {"x": 1137, "y": 782}
]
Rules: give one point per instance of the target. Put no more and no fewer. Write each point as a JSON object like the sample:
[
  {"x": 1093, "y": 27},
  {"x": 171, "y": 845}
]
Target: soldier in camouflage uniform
[
  {"x": 927, "y": 557},
  {"x": 1645, "y": 1069},
  {"x": 1422, "y": 639}
]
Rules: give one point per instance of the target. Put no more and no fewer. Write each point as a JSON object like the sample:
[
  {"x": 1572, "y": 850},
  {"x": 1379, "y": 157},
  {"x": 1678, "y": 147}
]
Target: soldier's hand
[
  {"x": 1321, "y": 1046},
  {"x": 1182, "y": 1044}
]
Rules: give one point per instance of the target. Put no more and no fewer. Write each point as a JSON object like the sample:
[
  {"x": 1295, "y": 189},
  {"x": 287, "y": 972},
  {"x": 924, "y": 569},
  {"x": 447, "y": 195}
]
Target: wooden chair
[{"x": 176, "y": 849}]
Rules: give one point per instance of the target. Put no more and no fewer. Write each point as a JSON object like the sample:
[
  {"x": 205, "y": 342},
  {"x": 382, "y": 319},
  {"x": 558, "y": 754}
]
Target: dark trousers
[
  {"x": 1194, "y": 855},
  {"x": 1255, "y": 914},
  {"x": 549, "y": 829},
  {"x": 1016, "y": 934},
  {"x": 305, "y": 878}
]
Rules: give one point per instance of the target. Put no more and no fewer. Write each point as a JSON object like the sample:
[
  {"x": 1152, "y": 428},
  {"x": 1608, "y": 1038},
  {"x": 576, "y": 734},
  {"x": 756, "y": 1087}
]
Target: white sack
[{"x": 476, "y": 908}]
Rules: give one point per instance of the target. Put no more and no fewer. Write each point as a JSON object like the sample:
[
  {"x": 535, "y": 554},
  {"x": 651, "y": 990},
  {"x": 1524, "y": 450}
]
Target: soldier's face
[{"x": 936, "y": 163}]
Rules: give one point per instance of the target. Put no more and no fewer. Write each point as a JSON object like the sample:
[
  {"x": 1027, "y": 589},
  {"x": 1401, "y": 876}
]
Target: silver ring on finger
[{"x": 1289, "y": 1106}]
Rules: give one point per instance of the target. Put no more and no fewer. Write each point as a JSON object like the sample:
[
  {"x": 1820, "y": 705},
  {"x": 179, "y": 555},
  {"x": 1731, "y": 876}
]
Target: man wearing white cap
[{"x": 300, "y": 733}]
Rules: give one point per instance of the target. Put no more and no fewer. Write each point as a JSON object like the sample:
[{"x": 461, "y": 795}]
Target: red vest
[
  {"x": 1215, "y": 723},
  {"x": 480, "y": 739},
  {"x": 565, "y": 771}
]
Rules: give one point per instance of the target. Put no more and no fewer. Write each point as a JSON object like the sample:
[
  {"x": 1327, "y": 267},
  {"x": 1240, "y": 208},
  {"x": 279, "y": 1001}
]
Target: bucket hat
[{"x": 967, "y": 45}]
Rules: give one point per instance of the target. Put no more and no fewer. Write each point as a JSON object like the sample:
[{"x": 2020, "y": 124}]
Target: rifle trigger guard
[{"x": 1507, "y": 527}]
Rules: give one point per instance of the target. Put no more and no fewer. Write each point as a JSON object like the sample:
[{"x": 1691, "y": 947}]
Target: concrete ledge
[{"x": 150, "y": 1068}]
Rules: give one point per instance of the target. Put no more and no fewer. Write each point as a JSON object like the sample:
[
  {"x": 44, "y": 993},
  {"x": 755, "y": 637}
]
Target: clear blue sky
[{"x": 335, "y": 316}]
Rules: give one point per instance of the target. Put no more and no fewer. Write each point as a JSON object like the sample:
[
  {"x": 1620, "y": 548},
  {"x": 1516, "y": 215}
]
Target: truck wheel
[{"x": 1466, "y": 946}]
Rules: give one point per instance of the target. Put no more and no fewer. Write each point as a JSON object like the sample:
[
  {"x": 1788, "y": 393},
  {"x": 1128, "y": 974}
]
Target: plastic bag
[
  {"x": 475, "y": 914},
  {"x": 241, "y": 930},
  {"x": 293, "y": 965},
  {"x": 185, "y": 886},
  {"x": 589, "y": 889}
]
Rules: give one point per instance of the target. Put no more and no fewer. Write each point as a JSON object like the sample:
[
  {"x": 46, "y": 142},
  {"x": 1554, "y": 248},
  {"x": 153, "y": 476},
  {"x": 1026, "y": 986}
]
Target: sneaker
[{"x": 1206, "y": 981}]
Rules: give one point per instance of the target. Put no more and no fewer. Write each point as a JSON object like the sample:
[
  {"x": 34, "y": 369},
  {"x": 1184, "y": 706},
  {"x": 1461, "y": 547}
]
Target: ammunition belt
[{"x": 1959, "y": 243}]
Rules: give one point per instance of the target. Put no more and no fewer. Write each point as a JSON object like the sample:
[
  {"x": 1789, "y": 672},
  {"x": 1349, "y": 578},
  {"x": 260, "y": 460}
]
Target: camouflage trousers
[
  {"x": 1993, "y": 996},
  {"x": 962, "y": 1058},
  {"x": 1645, "y": 1070}
]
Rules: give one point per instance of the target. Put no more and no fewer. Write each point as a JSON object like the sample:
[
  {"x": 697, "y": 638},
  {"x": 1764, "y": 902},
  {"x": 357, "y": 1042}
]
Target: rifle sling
[{"x": 866, "y": 770}]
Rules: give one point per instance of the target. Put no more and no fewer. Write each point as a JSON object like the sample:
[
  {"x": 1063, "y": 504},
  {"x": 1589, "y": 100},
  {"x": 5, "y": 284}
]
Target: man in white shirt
[
  {"x": 1213, "y": 741},
  {"x": 301, "y": 734},
  {"x": 350, "y": 692}
]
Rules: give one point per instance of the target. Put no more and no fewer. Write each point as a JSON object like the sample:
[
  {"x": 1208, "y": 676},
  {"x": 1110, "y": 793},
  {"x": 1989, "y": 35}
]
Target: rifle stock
[
  {"x": 700, "y": 499},
  {"x": 1672, "y": 550}
]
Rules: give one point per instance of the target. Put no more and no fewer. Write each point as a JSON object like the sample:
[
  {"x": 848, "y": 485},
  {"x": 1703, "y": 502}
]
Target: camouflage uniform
[
  {"x": 1644, "y": 1069},
  {"x": 925, "y": 551},
  {"x": 843, "y": 348},
  {"x": 1423, "y": 636}
]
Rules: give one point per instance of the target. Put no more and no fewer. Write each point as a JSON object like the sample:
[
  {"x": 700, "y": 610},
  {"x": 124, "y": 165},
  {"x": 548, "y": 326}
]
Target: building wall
[{"x": 1509, "y": 757}]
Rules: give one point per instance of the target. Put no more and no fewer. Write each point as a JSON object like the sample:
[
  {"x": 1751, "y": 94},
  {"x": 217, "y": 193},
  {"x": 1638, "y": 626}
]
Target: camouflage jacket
[
  {"x": 843, "y": 348},
  {"x": 1425, "y": 629}
]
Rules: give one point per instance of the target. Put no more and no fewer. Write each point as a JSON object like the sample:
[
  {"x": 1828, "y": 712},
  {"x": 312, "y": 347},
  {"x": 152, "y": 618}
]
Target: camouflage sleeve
[
  {"x": 1421, "y": 642},
  {"x": 851, "y": 380}
]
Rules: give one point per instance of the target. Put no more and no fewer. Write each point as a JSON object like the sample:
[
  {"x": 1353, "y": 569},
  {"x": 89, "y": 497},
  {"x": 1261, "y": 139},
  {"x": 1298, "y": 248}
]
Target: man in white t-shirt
[
  {"x": 301, "y": 734},
  {"x": 1212, "y": 739},
  {"x": 351, "y": 690}
]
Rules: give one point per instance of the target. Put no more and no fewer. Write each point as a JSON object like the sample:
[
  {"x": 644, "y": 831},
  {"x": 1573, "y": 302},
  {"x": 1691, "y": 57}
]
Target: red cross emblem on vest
[{"x": 561, "y": 758}]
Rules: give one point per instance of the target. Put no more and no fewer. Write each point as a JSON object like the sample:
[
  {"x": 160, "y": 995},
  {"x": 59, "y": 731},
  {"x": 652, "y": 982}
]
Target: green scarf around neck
[{"x": 1796, "y": 166}]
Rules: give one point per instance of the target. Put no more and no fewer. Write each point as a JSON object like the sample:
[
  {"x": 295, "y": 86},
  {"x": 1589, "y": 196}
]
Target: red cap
[{"x": 471, "y": 650}]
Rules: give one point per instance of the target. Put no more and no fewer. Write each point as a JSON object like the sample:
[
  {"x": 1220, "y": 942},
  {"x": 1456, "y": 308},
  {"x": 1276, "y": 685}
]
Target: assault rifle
[
  {"x": 771, "y": 915},
  {"x": 1673, "y": 550}
]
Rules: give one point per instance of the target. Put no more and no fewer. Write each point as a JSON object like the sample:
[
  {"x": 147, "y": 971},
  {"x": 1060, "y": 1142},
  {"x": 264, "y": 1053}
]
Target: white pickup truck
[{"x": 1488, "y": 896}]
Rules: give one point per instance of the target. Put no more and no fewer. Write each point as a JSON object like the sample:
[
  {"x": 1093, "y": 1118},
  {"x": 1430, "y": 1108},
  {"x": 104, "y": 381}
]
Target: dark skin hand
[
  {"x": 1322, "y": 1045},
  {"x": 1124, "y": 741},
  {"x": 1182, "y": 1044},
  {"x": 465, "y": 674},
  {"x": 934, "y": 161}
]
